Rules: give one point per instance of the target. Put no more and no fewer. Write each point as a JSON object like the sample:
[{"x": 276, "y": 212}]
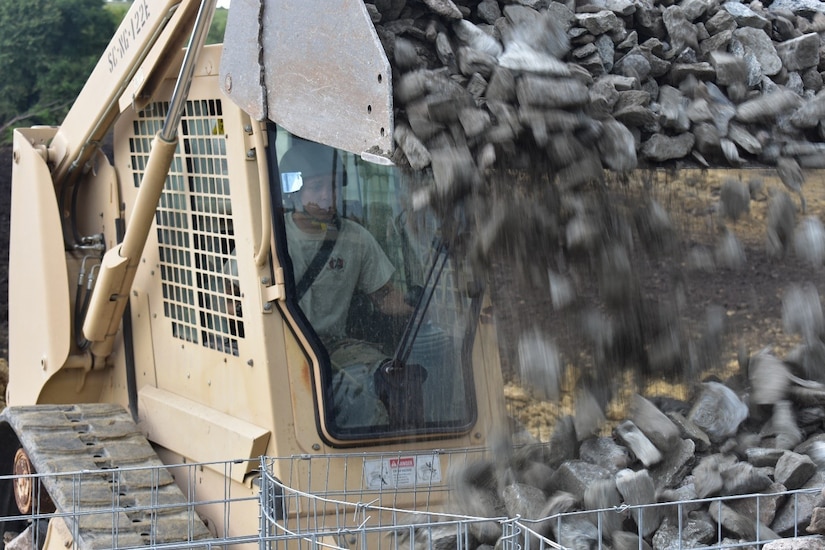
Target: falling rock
[
  {"x": 576, "y": 532},
  {"x": 588, "y": 417},
  {"x": 741, "y": 526},
  {"x": 658, "y": 428},
  {"x": 537, "y": 31},
  {"x": 767, "y": 107},
  {"x": 744, "y": 139},
  {"x": 780, "y": 224},
  {"x": 729, "y": 252},
  {"x": 810, "y": 113},
  {"x": 454, "y": 173},
  {"x": 782, "y": 426},
  {"x": 718, "y": 411},
  {"x": 551, "y": 93},
  {"x": 417, "y": 154},
  {"x": 680, "y": 497},
  {"x": 707, "y": 475},
  {"x": 603, "y": 494},
  {"x": 641, "y": 447},
  {"x": 637, "y": 489},
  {"x": 690, "y": 430},
  {"x": 769, "y": 379},
  {"x": 604, "y": 452},
  {"x": 809, "y": 241},
  {"x": 799, "y": 53},
  {"x": 473, "y": 501},
  {"x": 472, "y": 61},
  {"x": 762, "y": 457},
  {"x": 729, "y": 68},
  {"x": 741, "y": 479},
  {"x": 574, "y": 476},
  {"x": 476, "y": 38},
  {"x": 540, "y": 365},
  {"x": 520, "y": 57},
  {"x": 617, "y": 146},
  {"x": 673, "y": 105},
  {"x": 802, "y": 312},
  {"x": 660, "y": 148},
  {"x": 523, "y": 500},
  {"x": 793, "y": 470},
  {"x": 474, "y": 121},
  {"x": 735, "y": 198}
]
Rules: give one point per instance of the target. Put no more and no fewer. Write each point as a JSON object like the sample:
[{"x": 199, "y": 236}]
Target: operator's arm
[{"x": 391, "y": 301}]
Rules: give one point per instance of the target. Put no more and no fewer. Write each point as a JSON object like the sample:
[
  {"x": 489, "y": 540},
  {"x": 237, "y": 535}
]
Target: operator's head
[{"x": 315, "y": 169}]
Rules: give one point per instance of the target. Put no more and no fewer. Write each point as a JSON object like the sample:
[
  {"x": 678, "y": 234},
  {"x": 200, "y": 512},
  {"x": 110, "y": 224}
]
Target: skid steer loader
[{"x": 157, "y": 314}]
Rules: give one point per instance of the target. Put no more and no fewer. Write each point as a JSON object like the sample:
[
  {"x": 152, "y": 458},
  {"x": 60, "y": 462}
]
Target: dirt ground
[{"x": 751, "y": 297}]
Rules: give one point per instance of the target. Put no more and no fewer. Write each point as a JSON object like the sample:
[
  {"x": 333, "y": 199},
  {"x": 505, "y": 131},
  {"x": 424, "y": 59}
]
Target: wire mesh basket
[
  {"x": 378, "y": 501},
  {"x": 375, "y": 500},
  {"x": 401, "y": 500},
  {"x": 130, "y": 508}
]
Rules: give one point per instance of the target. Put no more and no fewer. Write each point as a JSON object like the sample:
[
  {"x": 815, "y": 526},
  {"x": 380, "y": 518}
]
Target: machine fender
[{"x": 37, "y": 272}]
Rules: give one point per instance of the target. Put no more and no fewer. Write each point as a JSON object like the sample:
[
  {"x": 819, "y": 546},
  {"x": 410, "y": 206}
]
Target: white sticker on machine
[{"x": 402, "y": 471}]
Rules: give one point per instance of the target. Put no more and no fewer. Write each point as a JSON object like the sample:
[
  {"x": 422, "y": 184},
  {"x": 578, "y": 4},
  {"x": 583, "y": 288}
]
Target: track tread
[{"x": 103, "y": 442}]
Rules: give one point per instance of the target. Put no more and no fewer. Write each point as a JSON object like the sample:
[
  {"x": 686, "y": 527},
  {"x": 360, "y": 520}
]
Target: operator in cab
[{"x": 332, "y": 259}]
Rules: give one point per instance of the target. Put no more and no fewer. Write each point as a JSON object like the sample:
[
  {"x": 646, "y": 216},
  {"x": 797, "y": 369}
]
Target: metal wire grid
[
  {"x": 364, "y": 500},
  {"x": 118, "y": 520},
  {"x": 300, "y": 508},
  {"x": 397, "y": 513},
  {"x": 677, "y": 513}
]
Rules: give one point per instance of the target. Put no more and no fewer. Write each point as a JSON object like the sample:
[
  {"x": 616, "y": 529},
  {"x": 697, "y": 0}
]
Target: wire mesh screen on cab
[{"x": 198, "y": 269}]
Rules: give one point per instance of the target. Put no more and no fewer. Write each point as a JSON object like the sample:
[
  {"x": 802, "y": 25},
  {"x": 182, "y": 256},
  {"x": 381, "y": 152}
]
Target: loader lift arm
[{"x": 111, "y": 292}]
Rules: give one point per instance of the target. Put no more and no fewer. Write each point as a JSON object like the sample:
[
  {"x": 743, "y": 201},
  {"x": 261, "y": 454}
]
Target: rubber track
[{"x": 110, "y": 505}]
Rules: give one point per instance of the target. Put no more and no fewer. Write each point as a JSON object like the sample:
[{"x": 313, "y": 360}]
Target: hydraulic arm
[{"x": 111, "y": 292}]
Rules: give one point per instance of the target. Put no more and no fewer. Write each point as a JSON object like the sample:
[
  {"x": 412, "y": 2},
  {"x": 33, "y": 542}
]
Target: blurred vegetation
[{"x": 48, "y": 48}]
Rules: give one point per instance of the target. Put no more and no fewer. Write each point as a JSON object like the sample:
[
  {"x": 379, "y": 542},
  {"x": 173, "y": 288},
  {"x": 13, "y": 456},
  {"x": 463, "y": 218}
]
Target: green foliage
[
  {"x": 47, "y": 50},
  {"x": 218, "y": 27}
]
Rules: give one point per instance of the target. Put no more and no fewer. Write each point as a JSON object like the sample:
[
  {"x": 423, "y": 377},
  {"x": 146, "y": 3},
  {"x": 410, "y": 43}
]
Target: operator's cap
[{"x": 307, "y": 159}]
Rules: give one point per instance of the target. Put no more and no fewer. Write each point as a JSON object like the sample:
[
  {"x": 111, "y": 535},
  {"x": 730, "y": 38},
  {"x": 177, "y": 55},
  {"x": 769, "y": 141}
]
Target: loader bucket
[{"x": 315, "y": 68}]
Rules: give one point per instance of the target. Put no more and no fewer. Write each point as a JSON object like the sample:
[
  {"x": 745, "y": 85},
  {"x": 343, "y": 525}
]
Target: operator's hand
[{"x": 391, "y": 301}]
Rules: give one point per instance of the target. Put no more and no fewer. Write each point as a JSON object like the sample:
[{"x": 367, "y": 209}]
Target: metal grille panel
[{"x": 201, "y": 292}]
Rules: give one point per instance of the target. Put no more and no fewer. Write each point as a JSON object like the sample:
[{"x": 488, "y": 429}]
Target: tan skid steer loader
[{"x": 247, "y": 278}]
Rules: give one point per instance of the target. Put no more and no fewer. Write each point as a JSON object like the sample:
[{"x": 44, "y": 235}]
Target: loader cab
[{"x": 349, "y": 237}]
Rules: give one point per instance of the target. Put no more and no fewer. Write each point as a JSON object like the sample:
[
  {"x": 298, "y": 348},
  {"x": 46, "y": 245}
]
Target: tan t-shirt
[{"x": 356, "y": 263}]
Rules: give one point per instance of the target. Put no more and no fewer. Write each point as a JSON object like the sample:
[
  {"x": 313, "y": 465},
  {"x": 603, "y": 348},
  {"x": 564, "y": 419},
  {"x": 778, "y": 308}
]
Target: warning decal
[{"x": 402, "y": 471}]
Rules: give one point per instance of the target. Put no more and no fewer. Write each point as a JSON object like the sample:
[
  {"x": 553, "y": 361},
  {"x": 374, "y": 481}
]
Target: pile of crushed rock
[{"x": 759, "y": 433}]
